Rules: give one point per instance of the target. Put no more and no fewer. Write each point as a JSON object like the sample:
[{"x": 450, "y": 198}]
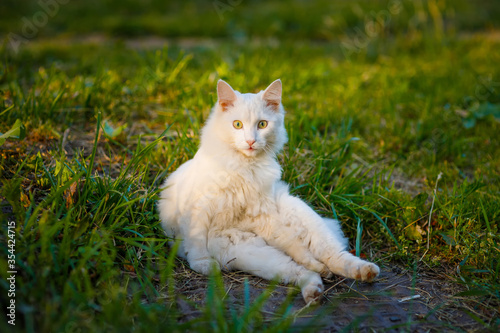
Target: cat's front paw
[
  {"x": 325, "y": 273},
  {"x": 318, "y": 267},
  {"x": 203, "y": 266},
  {"x": 366, "y": 272}
]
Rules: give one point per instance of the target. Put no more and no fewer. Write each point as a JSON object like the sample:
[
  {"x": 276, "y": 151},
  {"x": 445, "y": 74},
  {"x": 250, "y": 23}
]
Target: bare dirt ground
[{"x": 399, "y": 301}]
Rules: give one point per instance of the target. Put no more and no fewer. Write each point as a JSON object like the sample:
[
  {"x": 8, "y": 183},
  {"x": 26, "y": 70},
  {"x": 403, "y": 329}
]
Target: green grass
[
  {"x": 369, "y": 133},
  {"x": 240, "y": 19}
]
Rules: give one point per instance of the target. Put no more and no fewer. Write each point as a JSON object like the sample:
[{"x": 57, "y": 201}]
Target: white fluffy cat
[{"x": 231, "y": 211}]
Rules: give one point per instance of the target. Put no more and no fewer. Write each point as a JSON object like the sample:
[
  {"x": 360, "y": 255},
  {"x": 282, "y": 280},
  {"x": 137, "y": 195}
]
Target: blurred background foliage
[{"x": 320, "y": 20}]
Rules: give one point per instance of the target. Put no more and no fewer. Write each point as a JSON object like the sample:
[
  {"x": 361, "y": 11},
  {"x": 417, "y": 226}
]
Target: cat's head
[{"x": 252, "y": 124}]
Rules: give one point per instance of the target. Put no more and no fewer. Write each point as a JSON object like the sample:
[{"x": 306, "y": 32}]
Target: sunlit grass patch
[{"x": 368, "y": 137}]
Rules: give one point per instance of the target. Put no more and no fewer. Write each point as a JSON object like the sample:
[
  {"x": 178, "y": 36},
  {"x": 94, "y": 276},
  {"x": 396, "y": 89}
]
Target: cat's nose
[{"x": 250, "y": 142}]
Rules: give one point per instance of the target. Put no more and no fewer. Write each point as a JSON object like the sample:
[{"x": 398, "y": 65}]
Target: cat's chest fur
[{"x": 240, "y": 193}]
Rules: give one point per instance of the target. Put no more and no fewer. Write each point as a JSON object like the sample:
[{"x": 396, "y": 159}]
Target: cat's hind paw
[
  {"x": 367, "y": 272},
  {"x": 204, "y": 266},
  {"x": 312, "y": 293}
]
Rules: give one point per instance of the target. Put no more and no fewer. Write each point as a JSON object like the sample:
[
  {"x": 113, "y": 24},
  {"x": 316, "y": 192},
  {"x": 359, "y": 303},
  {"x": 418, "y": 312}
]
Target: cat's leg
[
  {"x": 195, "y": 247},
  {"x": 345, "y": 263},
  {"x": 303, "y": 256},
  {"x": 245, "y": 251},
  {"x": 188, "y": 229},
  {"x": 323, "y": 238}
]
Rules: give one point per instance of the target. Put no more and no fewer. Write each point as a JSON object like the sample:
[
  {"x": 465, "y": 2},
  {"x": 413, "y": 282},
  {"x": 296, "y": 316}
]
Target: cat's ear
[
  {"x": 225, "y": 94},
  {"x": 272, "y": 95}
]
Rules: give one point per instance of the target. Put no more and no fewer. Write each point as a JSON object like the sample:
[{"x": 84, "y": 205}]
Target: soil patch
[{"x": 399, "y": 300}]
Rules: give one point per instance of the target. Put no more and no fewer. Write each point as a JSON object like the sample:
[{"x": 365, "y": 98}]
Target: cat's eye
[
  {"x": 262, "y": 124},
  {"x": 237, "y": 124}
]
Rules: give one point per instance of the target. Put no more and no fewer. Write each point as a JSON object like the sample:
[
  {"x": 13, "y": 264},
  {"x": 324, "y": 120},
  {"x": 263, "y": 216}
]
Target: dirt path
[{"x": 399, "y": 301}]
